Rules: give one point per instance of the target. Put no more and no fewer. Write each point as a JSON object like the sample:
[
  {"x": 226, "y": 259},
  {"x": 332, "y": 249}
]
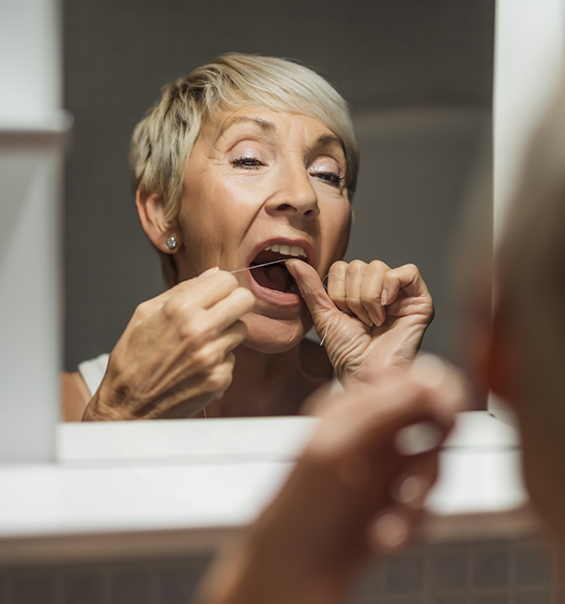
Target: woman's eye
[
  {"x": 250, "y": 163},
  {"x": 330, "y": 177}
]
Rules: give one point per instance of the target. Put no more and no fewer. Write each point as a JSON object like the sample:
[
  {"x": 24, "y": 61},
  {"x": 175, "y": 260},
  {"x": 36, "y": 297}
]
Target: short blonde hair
[{"x": 163, "y": 140}]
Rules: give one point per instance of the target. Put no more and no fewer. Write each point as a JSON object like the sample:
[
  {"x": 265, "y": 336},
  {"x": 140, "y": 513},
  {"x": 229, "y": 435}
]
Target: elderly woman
[{"x": 244, "y": 174}]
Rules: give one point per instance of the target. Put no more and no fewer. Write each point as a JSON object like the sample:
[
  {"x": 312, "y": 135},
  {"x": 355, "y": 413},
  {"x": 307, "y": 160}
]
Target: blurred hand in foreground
[{"x": 358, "y": 488}]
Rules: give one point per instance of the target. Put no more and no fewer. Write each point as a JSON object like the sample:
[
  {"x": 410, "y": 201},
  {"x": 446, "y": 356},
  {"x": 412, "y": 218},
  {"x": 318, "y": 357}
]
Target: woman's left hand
[{"x": 371, "y": 318}]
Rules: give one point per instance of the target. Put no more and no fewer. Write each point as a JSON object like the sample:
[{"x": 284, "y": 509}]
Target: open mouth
[{"x": 276, "y": 276}]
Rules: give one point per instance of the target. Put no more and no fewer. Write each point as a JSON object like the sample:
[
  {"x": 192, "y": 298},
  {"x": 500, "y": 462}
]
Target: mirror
[{"x": 419, "y": 81}]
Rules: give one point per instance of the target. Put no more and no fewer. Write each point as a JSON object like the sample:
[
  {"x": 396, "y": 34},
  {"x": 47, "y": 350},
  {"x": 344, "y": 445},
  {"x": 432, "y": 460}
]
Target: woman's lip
[
  {"x": 303, "y": 243},
  {"x": 270, "y": 295}
]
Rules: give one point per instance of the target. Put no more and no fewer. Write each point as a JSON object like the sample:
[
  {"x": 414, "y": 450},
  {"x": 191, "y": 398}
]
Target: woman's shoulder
[
  {"x": 75, "y": 396},
  {"x": 78, "y": 388}
]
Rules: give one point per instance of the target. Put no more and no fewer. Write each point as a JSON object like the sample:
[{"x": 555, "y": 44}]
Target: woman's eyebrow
[
  {"x": 265, "y": 125},
  {"x": 326, "y": 140}
]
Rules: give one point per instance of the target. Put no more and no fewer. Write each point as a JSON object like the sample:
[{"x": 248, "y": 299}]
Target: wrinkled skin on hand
[
  {"x": 371, "y": 318},
  {"x": 175, "y": 355}
]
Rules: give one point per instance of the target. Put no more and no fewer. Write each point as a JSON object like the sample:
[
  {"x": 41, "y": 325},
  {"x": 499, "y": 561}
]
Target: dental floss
[
  {"x": 327, "y": 327},
  {"x": 256, "y": 266},
  {"x": 334, "y": 274}
]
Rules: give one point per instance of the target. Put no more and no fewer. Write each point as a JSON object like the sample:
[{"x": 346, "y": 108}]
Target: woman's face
[{"x": 261, "y": 186}]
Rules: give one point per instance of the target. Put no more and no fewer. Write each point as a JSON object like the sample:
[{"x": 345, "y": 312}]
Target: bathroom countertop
[{"x": 172, "y": 488}]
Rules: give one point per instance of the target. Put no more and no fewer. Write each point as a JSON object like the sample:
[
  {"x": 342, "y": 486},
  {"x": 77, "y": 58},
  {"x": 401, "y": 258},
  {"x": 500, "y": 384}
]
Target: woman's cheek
[
  {"x": 242, "y": 195},
  {"x": 339, "y": 230}
]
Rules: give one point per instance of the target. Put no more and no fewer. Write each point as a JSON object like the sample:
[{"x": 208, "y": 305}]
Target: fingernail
[
  {"x": 209, "y": 272},
  {"x": 409, "y": 490},
  {"x": 418, "y": 438},
  {"x": 384, "y": 297},
  {"x": 388, "y": 532},
  {"x": 291, "y": 268}
]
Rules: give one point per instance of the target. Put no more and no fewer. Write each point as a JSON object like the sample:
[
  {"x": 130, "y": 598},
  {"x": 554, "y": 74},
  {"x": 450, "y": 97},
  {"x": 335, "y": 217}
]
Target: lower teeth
[{"x": 293, "y": 289}]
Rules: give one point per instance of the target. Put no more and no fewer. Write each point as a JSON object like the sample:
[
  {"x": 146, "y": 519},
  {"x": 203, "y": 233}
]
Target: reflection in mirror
[{"x": 270, "y": 177}]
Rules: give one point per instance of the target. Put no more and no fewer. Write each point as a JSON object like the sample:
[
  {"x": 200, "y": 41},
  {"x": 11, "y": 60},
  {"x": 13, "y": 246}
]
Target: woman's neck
[{"x": 272, "y": 384}]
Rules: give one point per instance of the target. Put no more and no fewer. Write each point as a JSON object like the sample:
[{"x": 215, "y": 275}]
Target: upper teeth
[{"x": 287, "y": 250}]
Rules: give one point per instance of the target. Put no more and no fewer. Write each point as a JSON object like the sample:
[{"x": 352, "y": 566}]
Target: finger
[
  {"x": 312, "y": 290},
  {"x": 319, "y": 401},
  {"x": 230, "y": 309},
  {"x": 202, "y": 292},
  {"x": 354, "y": 275},
  {"x": 371, "y": 290},
  {"x": 220, "y": 349},
  {"x": 208, "y": 273},
  {"x": 405, "y": 278},
  {"x": 336, "y": 285},
  {"x": 233, "y": 337},
  {"x": 409, "y": 490},
  {"x": 392, "y": 528},
  {"x": 215, "y": 374},
  {"x": 157, "y": 302},
  {"x": 210, "y": 289},
  {"x": 221, "y": 377},
  {"x": 412, "y": 486},
  {"x": 451, "y": 390},
  {"x": 371, "y": 416},
  {"x": 148, "y": 308}
]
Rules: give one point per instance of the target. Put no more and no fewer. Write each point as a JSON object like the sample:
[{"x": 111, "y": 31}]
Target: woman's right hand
[{"x": 176, "y": 354}]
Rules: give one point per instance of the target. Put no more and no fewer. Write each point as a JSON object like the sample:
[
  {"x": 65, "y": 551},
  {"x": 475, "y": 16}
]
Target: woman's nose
[{"x": 296, "y": 197}]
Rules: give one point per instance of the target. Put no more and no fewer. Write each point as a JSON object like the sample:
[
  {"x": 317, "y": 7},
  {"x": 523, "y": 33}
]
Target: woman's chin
[{"x": 272, "y": 336}]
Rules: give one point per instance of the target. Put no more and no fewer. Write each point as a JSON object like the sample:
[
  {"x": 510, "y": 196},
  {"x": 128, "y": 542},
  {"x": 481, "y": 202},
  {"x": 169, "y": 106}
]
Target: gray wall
[{"x": 417, "y": 74}]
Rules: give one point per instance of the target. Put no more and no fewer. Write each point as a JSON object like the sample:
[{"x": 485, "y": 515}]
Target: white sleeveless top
[{"x": 93, "y": 371}]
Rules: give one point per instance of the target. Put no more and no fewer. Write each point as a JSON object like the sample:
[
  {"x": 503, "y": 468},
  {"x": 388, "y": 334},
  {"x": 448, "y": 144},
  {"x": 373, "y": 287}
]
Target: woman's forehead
[{"x": 266, "y": 120}]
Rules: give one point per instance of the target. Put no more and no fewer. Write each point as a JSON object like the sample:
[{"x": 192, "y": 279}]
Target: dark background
[{"x": 418, "y": 76}]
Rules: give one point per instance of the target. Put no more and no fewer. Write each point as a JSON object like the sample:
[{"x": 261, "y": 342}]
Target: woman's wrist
[
  {"x": 99, "y": 411},
  {"x": 93, "y": 413}
]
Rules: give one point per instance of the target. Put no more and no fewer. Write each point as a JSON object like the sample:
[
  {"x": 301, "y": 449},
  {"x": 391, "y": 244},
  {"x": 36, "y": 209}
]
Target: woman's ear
[{"x": 151, "y": 208}]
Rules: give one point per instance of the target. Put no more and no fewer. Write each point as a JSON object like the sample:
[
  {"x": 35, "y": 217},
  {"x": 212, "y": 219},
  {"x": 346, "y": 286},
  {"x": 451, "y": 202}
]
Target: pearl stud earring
[{"x": 172, "y": 243}]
